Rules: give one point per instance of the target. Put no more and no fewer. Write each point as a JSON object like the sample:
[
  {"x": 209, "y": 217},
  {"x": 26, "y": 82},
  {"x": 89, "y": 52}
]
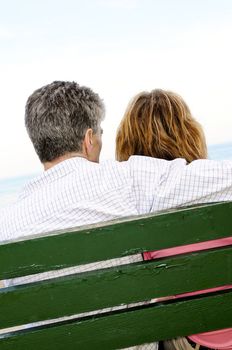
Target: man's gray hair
[{"x": 58, "y": 115}]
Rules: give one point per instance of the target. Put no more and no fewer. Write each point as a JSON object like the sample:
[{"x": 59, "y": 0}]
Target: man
[{"x": 63, "y": 121}]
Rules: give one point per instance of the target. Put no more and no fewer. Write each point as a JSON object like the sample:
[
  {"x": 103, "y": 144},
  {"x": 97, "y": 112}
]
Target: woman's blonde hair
[{"x": 159, "y": 124}]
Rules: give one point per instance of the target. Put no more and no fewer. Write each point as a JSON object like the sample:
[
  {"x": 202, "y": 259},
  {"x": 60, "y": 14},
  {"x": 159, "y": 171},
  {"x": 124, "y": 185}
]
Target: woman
[{"x": 159, "y": 124}]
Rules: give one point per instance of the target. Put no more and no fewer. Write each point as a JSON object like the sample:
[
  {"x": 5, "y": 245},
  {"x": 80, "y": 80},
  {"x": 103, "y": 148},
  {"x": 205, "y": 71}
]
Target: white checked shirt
[{"x": 78, "y": 192}]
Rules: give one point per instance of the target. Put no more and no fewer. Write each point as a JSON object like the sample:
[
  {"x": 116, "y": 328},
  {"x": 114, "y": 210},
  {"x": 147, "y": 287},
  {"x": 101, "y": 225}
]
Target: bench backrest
[{"x": 105, "y": 288}]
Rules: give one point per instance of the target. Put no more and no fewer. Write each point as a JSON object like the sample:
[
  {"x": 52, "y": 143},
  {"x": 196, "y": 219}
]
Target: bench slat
[
  {"x": 116, "y": 240},
  {"x": 130, "y": 328},
  {"x": 113, "y": 286}
]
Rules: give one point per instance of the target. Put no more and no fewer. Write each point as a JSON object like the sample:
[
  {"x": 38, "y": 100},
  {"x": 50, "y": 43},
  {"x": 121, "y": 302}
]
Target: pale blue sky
[{"x": 117, "y": 47}]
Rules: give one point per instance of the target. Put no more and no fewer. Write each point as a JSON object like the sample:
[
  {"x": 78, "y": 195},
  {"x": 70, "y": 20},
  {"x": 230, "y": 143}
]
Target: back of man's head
[{"x": 57, "y": 117}]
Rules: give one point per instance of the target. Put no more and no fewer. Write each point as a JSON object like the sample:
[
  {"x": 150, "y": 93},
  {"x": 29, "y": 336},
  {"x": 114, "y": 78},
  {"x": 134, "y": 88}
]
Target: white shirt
[{"x": 78, "y": 192}]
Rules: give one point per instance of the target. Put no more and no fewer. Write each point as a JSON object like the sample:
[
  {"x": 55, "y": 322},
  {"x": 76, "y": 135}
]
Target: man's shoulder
[
  {"x": 142, "y": 163},
  {"x": 136, "y": 161}
]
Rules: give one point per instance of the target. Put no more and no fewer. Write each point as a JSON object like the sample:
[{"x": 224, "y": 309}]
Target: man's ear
[{"x": 88, "y": 142}]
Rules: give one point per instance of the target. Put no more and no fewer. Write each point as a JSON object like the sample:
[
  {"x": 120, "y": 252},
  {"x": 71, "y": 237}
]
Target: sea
[{"x": 11, "y": 187}]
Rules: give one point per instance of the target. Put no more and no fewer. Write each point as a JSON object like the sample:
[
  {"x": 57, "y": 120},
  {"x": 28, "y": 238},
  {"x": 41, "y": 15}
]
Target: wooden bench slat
[
  {"x": 62, "y": 250},
  {"x": 130, "y": 328},
  {"x": 114, "y": 286}
]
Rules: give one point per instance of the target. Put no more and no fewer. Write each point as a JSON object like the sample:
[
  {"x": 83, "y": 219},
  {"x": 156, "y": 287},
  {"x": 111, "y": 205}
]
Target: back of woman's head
[{"x": 159, "y": 124}]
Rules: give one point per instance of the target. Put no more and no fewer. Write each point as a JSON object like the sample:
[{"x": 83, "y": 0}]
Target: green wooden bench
[{"x": 117, "y": 286}]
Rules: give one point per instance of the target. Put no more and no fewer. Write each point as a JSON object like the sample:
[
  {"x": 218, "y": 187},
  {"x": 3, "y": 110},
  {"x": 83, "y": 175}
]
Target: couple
[{"x": 156, "y": 145}]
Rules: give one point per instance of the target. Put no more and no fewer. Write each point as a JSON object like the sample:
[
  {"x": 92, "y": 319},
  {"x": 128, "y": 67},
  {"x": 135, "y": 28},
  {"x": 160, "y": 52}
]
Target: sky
[{"x": 118, "y": 48}]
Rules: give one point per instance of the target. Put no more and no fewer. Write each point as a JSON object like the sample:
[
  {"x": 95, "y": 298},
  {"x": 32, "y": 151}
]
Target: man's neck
[{"x": 48, "y": 165}]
